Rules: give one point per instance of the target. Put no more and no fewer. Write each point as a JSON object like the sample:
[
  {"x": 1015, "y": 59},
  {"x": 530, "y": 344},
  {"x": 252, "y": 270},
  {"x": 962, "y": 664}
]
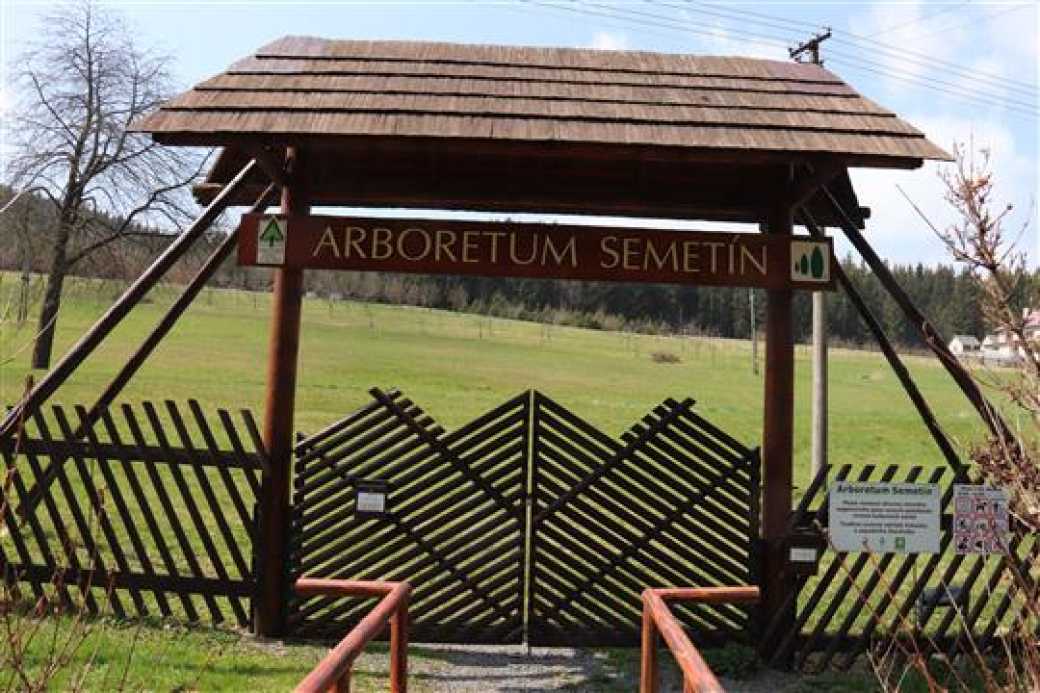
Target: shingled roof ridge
[{"x": 317, "y": 48}]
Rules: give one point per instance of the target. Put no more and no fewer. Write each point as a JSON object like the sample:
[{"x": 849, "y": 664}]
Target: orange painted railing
[
  {"x": 333, "y": 672},
  {"x": 658, "y": 618}
]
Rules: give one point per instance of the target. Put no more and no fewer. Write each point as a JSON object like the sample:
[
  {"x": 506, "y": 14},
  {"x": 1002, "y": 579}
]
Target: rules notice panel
[
  {"x": 884, "y": 517},
  {"x": 506, "y": 249}
]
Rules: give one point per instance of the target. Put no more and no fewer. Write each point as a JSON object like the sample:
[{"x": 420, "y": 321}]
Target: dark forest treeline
[{"x": 945, "y": 294}]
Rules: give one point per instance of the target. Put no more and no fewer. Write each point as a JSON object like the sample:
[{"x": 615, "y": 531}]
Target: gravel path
[{"x": 492, "y": 669}]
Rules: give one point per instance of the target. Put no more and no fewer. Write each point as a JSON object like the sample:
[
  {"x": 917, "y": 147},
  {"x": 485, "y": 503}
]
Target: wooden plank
[
  {"x": 209, "y": 587},
  {"x": 105, "y": 450},
  {"x": 130, "y": 522},
  {"x": 252, "y": 462},
  {"x": 201, "y": 527},
  {"x": 60, "y": 372},
  {"x": 230, "y": 486},
  {"x": 311, "y": 441},
  {"x": 12, "y": 525}
]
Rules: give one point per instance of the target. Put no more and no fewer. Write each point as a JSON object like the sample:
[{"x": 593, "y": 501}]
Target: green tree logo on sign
[
  {"x": 271, "y": 234},
  {"x": 810, "y": 261}
]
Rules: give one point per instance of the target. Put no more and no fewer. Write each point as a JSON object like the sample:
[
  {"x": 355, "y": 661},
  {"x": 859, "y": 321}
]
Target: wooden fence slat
[
  {"x": 142, "y": 554},
  {"x": 847, "y": 580},
  {"x": 666, "y": 481},
  {"x": 825, "y": 586},
  {"x": 172, "y": 518},
  {"x": 59, "y": 474},
  {"x": 98, "y": 517},
  {"x": 456, "y": 515},
  {"x": 144, "y": 504},
  {"x": 13, "y": 523},
  {"x": 104, "y": 518},
  {"x": 211, "y": 450},
  {"x": 241, "y": 613}
]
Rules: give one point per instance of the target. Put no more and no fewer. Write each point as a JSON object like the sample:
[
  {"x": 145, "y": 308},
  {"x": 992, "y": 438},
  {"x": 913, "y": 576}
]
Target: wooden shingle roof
[
  {"x": 548, "y": 130},
  {"x": 300, "y": 86}
]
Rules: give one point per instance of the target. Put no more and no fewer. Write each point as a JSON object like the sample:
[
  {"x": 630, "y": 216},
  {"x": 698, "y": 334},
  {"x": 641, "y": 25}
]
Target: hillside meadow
[{"x": 457, "y": 366}]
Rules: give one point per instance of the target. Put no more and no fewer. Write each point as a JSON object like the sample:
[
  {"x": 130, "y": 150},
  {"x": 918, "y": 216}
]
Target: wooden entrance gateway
[
  {"x": 528, "y": 130},
  {"x": 527, "y": 524}
]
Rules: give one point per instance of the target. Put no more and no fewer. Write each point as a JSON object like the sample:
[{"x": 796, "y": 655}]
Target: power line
[
  {"x": 635, "y": 17},
  {"x": 973, "y": 21},
  {"x": 878, "y": 46},
  {"x": 921, "y": 79},
  {"x": 642, "y": 19},
  {"x": 1029, "y": 112},
  {"x": 929, "y": 15}
]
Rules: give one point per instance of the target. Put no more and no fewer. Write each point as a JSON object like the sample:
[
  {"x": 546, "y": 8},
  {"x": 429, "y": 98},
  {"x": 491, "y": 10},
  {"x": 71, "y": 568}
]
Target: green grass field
[{"x": 457, "y": 367}]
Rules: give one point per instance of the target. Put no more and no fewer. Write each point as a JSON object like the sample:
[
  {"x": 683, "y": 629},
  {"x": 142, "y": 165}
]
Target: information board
[
  {"x": 980, "y": 519},
  {"x": 884, "y": 517}
]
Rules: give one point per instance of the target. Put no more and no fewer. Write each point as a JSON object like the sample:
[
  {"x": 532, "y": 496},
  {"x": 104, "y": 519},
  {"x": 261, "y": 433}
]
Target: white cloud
[
  {"x": 609, "y": 41},
  {"x": 1015, "y": 30},
  {"x": 899, "y": 233},
  {"x": 903, "y": 68}
]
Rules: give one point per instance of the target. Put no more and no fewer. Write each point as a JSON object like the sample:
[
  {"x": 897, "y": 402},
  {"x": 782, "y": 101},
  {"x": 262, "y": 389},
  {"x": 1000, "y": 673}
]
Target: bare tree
[
  {"x": 80, "y": 86},
  {"x": 980, "y": 241}
]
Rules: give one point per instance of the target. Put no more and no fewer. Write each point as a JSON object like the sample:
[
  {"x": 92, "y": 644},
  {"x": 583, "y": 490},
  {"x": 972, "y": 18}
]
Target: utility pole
[
  {"x": 819, "y": 309},
  {"x": 810, "y": 47},
  {"x": 819, "y": 382}
]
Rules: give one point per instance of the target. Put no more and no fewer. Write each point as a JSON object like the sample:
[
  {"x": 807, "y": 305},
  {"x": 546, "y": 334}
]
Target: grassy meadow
[{"x": 456, "y": 366}]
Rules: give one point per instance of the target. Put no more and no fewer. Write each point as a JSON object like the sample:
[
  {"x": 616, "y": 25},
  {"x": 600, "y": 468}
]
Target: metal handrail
[
  {"x": 333, "y": 673},
  {"x": 697, "y": 675}
]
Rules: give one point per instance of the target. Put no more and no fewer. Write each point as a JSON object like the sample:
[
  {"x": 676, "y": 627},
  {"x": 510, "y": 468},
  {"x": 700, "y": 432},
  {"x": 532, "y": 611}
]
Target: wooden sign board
[{"x": 545, "y": 251}]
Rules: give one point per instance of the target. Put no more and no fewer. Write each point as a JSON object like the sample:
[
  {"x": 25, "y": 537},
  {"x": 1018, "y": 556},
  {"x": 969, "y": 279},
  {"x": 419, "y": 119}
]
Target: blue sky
[{"x": 958, "y": 70}]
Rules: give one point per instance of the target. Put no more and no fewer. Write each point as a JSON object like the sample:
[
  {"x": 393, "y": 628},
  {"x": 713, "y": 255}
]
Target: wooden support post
[
  {"x": 273, "y": 537},
  {"x": 777, "y": 441},
  {"x": 136, "y": 360}
]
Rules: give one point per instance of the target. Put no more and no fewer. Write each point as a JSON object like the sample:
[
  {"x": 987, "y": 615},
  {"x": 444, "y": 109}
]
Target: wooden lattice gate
[{"x": 526, "y": 522}]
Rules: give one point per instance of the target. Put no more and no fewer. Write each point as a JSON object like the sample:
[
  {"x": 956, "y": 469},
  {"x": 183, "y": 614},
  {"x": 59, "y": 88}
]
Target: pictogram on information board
[
  {"x": 884, "y": 517},
  {"x": 980, "y": 519}
]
